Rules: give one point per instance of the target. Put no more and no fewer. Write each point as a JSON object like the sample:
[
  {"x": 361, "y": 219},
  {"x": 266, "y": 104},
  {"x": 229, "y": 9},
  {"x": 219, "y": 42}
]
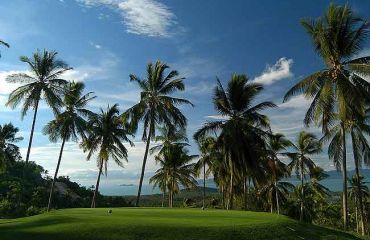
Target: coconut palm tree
[
  {"x": 157, "y": 106},
  {"x": 359, "y": 129},
  {"x": 4, "y": 44},
  {"x": 359, "y": 191},
  {"x": 169, "y": 136},
  {"x": 275, "y": 191},
  {"x": 208, "y": 155},
  {"x": 241, "y": 127},
  {"x": 70, "y": 124},
  {"x": 338, "y": 37},
  {"x": 106, "y": 134},
  {"x": 9, "y": 152},
  {"x": 275, "y": 145},
  {"x": 177, "y": 168},
  {"x": 43, "y": 82},
  {"x": 307, "y": 144}
]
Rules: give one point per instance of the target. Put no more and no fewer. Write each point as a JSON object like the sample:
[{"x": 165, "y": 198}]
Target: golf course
[{"x": 160, "y": 224}]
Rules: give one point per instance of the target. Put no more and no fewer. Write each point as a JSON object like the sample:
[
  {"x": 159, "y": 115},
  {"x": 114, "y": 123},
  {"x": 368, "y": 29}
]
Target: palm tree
[
  {"x": 307, "y": 144},
  {"x": 241, "y": 127},
  {"x": 177, "y": 168},
  {"x": 106, "y": 132},
  {"x": 168, "y": 137},
  {"x": 337, "y": 38},
  {"x": 43, "y": 83},
  {"x": 9, "y": 152},
  {"x": 208, "y": 155},
  {"x": 358, "y": 128},
  {"x": 358, "y": 191},
  {"x": 4, "y": 44},
  {"x": 277, "y": 191},
  {"x": 156, "y": 106},
  {"x": 70, "y": 124},
  {"x": 275, "y": 145}
]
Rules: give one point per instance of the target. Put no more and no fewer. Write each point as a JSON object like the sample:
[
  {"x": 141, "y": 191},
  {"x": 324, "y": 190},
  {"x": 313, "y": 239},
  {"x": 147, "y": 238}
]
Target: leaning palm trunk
[
  {"x": 144, "y": 163},
  {"x": 97, "y": 185},
  {"x": 302, "y": 192},
  {"x": 344, "y": 175},
  {"x": 56, "y": 174},
  {"x": 32, "y": 131}
]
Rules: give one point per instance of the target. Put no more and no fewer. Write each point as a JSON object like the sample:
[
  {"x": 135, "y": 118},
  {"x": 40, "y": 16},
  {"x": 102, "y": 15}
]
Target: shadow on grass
[{"x": 56, "y": 228}]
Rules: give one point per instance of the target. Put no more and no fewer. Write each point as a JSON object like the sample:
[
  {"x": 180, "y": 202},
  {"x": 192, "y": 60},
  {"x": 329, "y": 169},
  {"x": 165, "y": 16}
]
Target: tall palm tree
[
  {"x": 208, "y": 155},
  {"x": 4, "y": 44},
  {"x": 275, "y": 145},
  {"x": 242, "y": 128},
  {"x": 9, "y": 152},
  {"x": 156, "y": 106},
  {"x": 42, "y": 83},
  {"x": 177, "y": 168},
  {"x": 359, "y": 129},
  {"x": 337, "y": 37},
  {"x": 168, "y": 137},
  {"x": 307, "y": 144},
  {"x": 359, "y": 191},
  {"x": 106, "y": 134},
  {"x": 70, "y": 124}
]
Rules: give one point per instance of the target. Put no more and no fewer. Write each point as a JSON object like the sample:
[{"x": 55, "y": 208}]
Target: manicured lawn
[{"x": 166, "y": 224}]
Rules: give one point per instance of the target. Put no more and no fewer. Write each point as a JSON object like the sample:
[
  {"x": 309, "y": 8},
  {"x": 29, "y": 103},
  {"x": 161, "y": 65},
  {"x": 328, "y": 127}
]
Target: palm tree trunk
[
  {"x": 32, "y": 131},
  {"x": 173, "y": 187},
  {"x": 56, "y": 174},
  {"x": 359, "y": 205},
  {"x": 97, "y": 185},
  {"x": 356, "y": 215},
  {"x": 344, "y": 175},
  {"x": 144, "y": 163},
  {"x": 223, "y": 196},
  {"x": 272, "y": 201},
  {"x": 302, "y": 191},
  {"x": 245, "y": 193},
  {"x": 164, "y": 195},
  {"x": 277, "y": 198},
  {"x": 204, "y": 185},
  {"x": 231, "y": 192}
]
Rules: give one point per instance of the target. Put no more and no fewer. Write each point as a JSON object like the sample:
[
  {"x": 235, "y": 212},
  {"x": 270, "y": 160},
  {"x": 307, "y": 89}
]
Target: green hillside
[{"x": 154, "y": 223}]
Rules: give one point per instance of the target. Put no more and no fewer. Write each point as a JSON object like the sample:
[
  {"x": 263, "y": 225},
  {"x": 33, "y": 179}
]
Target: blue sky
[{"x": 106, "y": 40}]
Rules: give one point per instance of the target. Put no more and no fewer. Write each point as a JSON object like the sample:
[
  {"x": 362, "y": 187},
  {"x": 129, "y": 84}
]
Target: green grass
[{"x": 160, "y": 224}]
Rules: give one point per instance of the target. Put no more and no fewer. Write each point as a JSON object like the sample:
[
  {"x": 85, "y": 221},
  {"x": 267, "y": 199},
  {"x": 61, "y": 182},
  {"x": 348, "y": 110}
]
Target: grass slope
[{"x": 160, "y": 224}]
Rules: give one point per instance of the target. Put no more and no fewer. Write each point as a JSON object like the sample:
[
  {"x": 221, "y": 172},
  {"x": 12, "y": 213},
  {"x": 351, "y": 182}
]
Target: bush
[{"x": 32, "y": 210}]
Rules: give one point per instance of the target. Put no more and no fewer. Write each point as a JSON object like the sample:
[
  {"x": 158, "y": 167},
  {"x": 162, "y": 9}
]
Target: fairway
[{"x": 155, "y": 223}]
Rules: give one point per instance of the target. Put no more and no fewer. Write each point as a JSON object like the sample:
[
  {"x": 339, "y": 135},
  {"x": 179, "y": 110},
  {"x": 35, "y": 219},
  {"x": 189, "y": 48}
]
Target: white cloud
[
  {"x": 299, "y": 101},
  {"x": 217, "y": 117},
  {"x": 5, "y": 87},
  {"x": 280, "y": 70},
  {"x": 142, "y": 17}
]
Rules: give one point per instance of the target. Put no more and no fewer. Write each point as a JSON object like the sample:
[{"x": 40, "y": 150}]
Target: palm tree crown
[
  {"x": 43, "y": 82},
  {"x": 9, "y": 152}
]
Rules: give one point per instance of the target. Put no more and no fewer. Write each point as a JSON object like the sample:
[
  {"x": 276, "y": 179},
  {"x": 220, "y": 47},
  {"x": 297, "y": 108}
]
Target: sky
[{"x": 106, "y": 40}]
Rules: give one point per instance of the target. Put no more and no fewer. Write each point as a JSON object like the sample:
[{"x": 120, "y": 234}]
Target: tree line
[{"x": 244, "y": 156}]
